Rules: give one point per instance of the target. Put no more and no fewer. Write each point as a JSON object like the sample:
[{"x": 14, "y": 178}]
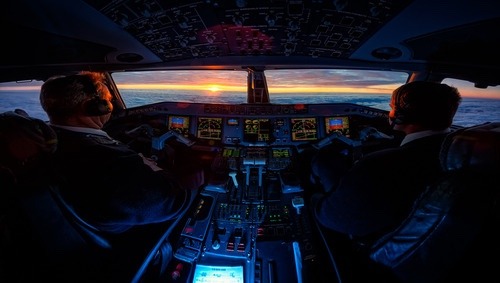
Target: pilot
[
  {"x": 109, "y": 185},
  {"x": 377, "y": 193}
]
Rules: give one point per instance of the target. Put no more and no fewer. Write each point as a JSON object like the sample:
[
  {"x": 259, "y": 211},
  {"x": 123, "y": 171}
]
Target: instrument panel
[
  {"x": 256, "y": 125},
  {"x": 250, "y": 221}
]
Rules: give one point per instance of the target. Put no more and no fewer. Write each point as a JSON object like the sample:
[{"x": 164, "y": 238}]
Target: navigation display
[
  {"x": 304, "y": 129},
  {"x": 179, "y": 124},
  {"x": 337, "y": 124},
  {"x": 209, "y": 128},
  {"x": 256, "y": 130}
]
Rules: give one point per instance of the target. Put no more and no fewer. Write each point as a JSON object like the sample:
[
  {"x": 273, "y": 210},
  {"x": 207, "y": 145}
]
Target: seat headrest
[
  {"x": 476, "y": 148},
  {"x": 23, "y": 139}
]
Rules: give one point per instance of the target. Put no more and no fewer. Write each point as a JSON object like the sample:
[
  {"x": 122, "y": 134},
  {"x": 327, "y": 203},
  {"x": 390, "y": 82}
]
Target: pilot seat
[
  {"x": 452, "y": 232},
  {"x": 41, "y": 238}
]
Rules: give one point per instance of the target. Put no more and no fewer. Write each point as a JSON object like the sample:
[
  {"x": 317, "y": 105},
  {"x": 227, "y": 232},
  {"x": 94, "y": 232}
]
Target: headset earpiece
[
  {"x": 402, "y": 113},
  {"x": 97, "y": 106},
  {"x": 399, "y": 117}
]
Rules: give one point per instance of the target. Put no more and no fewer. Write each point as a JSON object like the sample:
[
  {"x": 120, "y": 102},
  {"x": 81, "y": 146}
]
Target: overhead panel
[{"x": 176, "y": 30}]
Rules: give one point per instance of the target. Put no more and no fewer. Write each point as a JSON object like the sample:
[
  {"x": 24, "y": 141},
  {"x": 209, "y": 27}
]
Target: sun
[{"x": 213, "y": 88}]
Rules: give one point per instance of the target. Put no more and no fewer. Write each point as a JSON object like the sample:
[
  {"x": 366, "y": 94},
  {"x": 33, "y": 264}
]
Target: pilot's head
[
  {"x": 83, "y": 96},
  {"x": 420, "y": 105}
]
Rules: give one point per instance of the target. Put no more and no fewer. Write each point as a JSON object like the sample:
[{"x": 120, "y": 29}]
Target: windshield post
[{"x": 257, "y": 91}]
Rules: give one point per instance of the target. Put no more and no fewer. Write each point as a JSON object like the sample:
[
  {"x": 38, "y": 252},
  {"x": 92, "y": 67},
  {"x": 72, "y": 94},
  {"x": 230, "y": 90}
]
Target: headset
[
  {"x": 97, "y": 106},
  {"x": 402, "y": 115}
]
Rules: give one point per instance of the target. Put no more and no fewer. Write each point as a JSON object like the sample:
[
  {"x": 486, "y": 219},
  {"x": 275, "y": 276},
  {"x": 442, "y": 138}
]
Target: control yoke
[
  {"x": 324, "y": 142},
  {"x": 158, "y": 143}
]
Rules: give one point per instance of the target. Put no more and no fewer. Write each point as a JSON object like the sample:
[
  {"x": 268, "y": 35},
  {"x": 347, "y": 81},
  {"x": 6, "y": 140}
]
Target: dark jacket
[
  {"x": 109, "y": 186},
  {"x": 379, "y": 191}
]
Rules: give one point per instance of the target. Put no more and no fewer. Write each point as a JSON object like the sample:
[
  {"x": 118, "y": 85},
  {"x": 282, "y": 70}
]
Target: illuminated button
[{"x": 216, "y": 244}]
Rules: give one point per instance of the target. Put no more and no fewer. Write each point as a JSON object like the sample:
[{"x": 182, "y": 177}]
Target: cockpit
[
  {"x": 263, "y": 96},
  {"x": 251, "y": 221}
]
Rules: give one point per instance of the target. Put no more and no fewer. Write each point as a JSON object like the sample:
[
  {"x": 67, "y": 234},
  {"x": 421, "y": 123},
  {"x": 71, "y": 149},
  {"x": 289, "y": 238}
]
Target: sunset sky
[
  {"x": 292, "y": 81},
  {"x": 278, "y": 81}
]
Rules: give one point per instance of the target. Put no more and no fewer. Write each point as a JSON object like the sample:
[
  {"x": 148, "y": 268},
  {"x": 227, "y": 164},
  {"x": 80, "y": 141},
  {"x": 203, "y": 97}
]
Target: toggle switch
[{"x": 232, "y": 174}]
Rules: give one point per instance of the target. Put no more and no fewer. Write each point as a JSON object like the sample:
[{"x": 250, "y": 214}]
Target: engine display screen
[
  {"x": 179, "y": 124},
  {"x": 209, "y": 128},
  {"x": 231, "y": 152},
  {"x": 256, "y": 130},
  {"x": 304, "y": 129},
  {"x": 218, "y": 274},
  {"x": 281, "y": 153},
  {"x": 337, "y": 124}
]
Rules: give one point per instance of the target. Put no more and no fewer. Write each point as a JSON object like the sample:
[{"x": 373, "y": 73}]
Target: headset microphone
[{"x": 392, "y": 122}]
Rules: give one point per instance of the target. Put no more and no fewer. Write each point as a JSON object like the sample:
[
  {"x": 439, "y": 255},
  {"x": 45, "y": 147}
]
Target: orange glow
[
  {"x": 19, "y": 88},
  {"x": 217, "y": 87},
  {"x": 386, "y": 89},
  {"x": 209, "y": 87},
  {"x": 375, "y": 89},
  {"x": 299, "y": 107},
  {"x": 182, "y": 105},
  {"x": 317, "y": 89}
]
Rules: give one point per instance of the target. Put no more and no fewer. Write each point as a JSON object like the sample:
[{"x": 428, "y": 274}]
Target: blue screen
[{"x": 218, "y": 274}]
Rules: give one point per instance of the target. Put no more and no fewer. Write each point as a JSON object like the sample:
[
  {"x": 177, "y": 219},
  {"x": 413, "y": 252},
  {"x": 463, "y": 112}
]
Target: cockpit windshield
[
  {"x": 305, "y": 86},
  {"x": 284, "y": 86}
]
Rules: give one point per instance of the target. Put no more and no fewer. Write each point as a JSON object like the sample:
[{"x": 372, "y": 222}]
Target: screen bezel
[
  {"x": 233, "y": 122},
  {"x": 198, "y": 130},
  {"x": 200, "y": 268},
  {"x": 184, "y": 130},
  {"x": 344, "y": 129},
  {"x": 295, "y": 120},
  {"x": 263, "y": 134}
]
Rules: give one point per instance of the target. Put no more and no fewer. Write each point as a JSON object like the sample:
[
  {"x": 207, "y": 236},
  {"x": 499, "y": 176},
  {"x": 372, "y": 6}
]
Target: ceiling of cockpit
[
  {"x": 176, "y": 30},
  {"x": 448, "y": 36}
]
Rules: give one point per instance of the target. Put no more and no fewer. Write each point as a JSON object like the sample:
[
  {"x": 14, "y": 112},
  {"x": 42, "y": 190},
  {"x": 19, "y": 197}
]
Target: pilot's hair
[
  {"x": 429, "y": 104},
  {"x": 62, "y": 96}
]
